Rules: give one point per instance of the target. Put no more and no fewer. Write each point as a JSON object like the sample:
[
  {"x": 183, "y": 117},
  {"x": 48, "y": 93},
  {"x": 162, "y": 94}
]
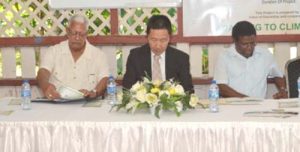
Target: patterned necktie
[{"x": 156, "y": 71}]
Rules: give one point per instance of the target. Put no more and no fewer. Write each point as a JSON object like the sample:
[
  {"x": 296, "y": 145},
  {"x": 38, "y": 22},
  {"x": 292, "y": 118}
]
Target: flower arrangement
[{"x": 157, "y": 96}]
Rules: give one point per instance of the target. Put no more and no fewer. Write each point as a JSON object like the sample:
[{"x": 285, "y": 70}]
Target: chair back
[{"x": 292, "y": 71}]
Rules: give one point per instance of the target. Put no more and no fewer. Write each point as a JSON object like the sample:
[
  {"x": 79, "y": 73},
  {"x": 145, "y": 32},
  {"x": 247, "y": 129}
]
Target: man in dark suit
[{"x": 157, "y": 59}]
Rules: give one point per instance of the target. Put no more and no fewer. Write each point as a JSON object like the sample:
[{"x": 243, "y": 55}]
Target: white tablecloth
[{"x": 72, "y": 128}]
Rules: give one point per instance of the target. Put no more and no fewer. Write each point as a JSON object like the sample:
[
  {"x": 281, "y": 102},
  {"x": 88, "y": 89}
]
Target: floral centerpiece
[{"x": 157, "y": 96}]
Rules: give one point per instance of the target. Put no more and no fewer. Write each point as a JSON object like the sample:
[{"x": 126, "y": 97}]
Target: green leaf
[
  {"x": 157, "y": 109},
  {"x": 168, "y": 105},
  {"x": 105, "y": 14},
  {"x": 148, "y": 86},
  {"x": 164, "y": 97},
  {"x": 201, "y": 105},
  {"x": 128, "y": 110},
  {"x": 147, "y": 75},
  {"x": 143, "y": 105},
  {"x": 177, "y": 113},
  {"x": 119, "y": 59},
  {"x": 126, "y": 99},
  {"x": 166, "y": 102}
]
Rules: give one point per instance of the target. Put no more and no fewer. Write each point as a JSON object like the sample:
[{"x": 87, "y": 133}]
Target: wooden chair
[{"x": 292, "y": 71}]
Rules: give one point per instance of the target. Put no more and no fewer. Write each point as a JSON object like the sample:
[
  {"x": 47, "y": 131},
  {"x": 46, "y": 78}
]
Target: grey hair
[{"x": 79, "y": 19}]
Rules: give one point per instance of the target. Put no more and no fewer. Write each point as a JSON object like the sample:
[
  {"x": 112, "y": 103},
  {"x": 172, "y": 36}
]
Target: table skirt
[{"x": 78, "y": 136}]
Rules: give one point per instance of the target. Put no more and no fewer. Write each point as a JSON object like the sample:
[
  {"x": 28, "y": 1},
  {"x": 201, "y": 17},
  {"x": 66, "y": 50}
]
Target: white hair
[{"x": 79, "y": 19}]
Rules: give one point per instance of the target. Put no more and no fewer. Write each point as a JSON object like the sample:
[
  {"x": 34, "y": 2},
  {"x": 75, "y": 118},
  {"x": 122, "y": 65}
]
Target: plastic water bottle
[
  {"x": 213, "y": 96},
  {"x": 111, "y": 91},
  {"x": 298, "y": 84},
  {"x": 25, "y": 95}
]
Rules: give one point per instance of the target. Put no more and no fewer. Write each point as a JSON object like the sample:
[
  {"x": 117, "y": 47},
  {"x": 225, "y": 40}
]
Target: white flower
[
  {"x": 137, "y": 86},
  {"x": 165, "y": 94},
  {"x": 132, "y": 104},
  {"x": 179, "y": 90},
  {"x": 151, "y": 99},
  {"x": 179, "y": 106},
  {"x": 167, "y": 84},
  {"x": 141, "y": 95},
  {"x": 194, "y": 100},
  {"x": 157, "y": 83}
]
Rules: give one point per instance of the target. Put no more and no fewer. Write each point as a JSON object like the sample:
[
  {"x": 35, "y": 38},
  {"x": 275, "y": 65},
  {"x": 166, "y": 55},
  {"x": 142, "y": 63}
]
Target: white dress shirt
[
  {"x": 85, "y": 73},
  {"x": 246, "y": 75}
]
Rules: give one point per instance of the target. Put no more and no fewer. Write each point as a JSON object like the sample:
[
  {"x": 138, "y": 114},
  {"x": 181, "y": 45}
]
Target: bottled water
[
  {"x": 298, "y": 84},
  {"x": 213, "y": 96},
  {"x": 25, "y": 95},
  {"x": 111, "y": 91}
]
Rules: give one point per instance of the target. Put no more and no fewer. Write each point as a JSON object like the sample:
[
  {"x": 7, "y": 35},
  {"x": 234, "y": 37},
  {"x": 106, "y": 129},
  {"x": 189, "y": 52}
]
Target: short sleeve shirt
[
  {"x": 85, "y": 73},
  {"x": 246, "y": 75}
]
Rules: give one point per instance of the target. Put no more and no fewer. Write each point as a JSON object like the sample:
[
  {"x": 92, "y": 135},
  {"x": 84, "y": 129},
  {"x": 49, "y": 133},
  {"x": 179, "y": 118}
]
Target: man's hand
[
  {"x": 51, "y": 92},
  {"x": 48, "y": 89},
  {"x": 281, "y": 85},
  {"x": 89, "y": 94},
  {"x": 280, "y": 94}
]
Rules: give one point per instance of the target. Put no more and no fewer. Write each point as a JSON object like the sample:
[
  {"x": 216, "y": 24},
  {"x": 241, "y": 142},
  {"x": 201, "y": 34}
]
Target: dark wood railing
[
  {"x": 18, "y": 81},
  {"x": 116, "y": 39}
]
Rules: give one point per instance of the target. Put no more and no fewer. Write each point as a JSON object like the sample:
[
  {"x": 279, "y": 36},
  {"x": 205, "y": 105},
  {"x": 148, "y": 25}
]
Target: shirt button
[{"x": 74, "y": 77}]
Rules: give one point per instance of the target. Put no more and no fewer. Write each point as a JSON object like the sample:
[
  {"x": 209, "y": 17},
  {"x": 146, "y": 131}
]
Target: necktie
[{"x": 156, "y": 71}]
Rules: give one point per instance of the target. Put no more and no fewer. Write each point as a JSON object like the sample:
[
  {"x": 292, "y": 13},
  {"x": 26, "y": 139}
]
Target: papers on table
[
  {"x": 88, "y": 102},
  {"x": 57, "y": 100},
  {"x": 276, "y": 113},
  {"x": 15, "y": 101},
  {"x": 243, "y": 101},
  {"x": 288, "y": 103},
  {"x": 235, "y": 101},
  {"x": 6, "y": 112}
]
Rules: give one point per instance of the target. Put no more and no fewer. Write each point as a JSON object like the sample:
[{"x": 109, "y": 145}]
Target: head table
[{"x": 70, "y": 127}]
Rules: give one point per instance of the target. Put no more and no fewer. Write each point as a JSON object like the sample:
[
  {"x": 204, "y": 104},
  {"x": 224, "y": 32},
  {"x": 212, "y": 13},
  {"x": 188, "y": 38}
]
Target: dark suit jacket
[{"x": 139, "y": 63}]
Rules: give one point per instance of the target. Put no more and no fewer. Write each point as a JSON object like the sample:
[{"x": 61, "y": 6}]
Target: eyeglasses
[{"x": 75, "y": 33}]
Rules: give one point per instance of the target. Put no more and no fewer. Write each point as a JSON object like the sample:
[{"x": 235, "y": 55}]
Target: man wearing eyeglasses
[
  {"x": 74, "y": 63},
  {"x": 242, "y": 71}
]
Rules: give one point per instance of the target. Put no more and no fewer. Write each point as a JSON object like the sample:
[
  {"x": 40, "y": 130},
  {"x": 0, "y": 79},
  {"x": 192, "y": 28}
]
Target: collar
[{"x": 163, "y": 55}]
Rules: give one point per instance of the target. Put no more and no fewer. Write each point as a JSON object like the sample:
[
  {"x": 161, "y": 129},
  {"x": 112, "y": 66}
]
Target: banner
[
  {"x": 88, "y": 4},
  {"x": 216, "y": 18}
]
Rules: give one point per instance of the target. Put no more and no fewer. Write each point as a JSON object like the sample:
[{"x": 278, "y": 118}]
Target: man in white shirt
[
  {"x": 74, "y": 63},
  {"x": 242, "y": 70}
]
